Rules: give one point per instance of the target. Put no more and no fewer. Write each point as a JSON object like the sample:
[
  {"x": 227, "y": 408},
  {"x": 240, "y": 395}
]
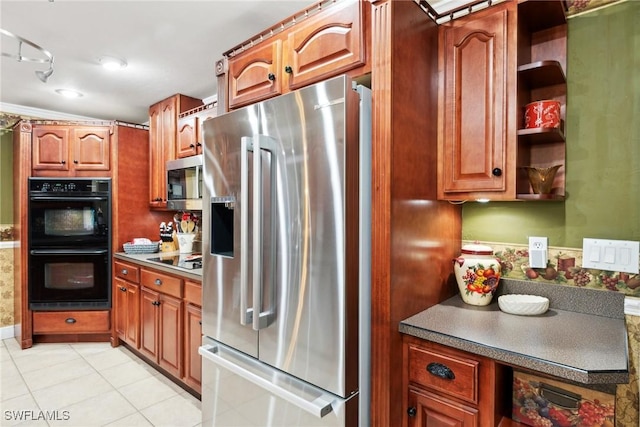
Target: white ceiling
[{"x": 170, "y": 46}]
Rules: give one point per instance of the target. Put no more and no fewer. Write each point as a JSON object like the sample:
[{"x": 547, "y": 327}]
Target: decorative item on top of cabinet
[
  {"x": 493, "y": 63},
  {"x": 71, "y": 150},
  {"x": 190, "y": 138},
  {"x": 163, "y": 137},
  {"x": 321, "y": 42}
]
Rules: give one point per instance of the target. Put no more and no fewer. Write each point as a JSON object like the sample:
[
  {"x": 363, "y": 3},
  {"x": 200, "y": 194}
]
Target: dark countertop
[
  {"x": 581, "y": 338},
  {"x": 143, "y": 259}
]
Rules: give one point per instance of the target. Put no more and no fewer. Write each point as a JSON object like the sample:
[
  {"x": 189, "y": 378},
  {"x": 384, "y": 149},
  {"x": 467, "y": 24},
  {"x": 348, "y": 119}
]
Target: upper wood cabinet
[
  {"x": 315, "y": 47},
  {"x": 493, "y": 63},
  {"x": 63, "y": 150},
  {"x": 190, "y": 137},
  {"x": 163, "y": 137}
]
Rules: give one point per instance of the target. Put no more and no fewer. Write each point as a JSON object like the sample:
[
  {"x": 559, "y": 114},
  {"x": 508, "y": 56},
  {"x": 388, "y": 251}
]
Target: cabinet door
[
  {"x": 50, "y": 148},
  {"x": 120, "y": 306},
  {"x": 127, "y": 311},
  {"x": 170, "y": 329},
  {"x": 91, "y": 147},
  {"x": 162, "y": 143},
  {"x": 187, "y": 137},
  {"x": 430, "y": 410},
  {"x": 193, "y": 339},
  {"x": 256, "y": 74},
  {"x": 474, "y": 104},
  {"x": 326, "y": 45},
  {"x": 132, "y": 330},
  {"x": 149, "y": 321}
]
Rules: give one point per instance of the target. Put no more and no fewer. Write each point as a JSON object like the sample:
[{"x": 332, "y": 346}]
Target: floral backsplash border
[
  {"x": 564, "y": 267},
  {"x": 579, "y": 6}
]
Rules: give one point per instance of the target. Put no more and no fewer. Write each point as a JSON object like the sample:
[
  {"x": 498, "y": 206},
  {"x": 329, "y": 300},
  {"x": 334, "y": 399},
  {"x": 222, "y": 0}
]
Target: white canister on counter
[{"x": 477, "y": 272}]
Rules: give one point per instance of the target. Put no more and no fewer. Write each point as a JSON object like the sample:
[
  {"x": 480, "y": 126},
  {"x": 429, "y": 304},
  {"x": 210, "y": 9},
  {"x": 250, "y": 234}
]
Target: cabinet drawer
[
  {"x": 70, "y": 322},
  {"x": 193, "y": 293},
  {"x": 126, "y": 271},
  {"x": 161, "y": 282},
  {"x": 449, "y": 374}
]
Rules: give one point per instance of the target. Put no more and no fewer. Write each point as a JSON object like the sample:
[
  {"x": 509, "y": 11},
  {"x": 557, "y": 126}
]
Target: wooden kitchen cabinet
[
  {"x": 492, "y": 63},
  {"x": 163, "y": 136},
  {"x": 64, "y": 150},
  {"x": 70, "y": 322},
  {"x": 192, "y": 334},
  {"x": 126, "y": 295},
  {"x": 449, "y": 387},
  {"x": 161, "y": 317},
  {"x": 318, "y": 45},
  {"x": 190, "y": 136}
]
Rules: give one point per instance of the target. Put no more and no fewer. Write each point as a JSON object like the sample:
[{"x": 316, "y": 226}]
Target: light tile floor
[{"x": 88, "y": 384}]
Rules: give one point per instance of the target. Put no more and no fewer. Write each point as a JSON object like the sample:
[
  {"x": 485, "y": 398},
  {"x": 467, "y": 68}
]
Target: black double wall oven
[{"x": 69, "y": 243}]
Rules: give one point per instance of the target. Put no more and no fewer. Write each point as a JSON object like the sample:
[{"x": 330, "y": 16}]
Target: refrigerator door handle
[
  {"x": 310, "y": 398},
  {"x": 246, "y": 312},
  {"x": 262, "y": 319}
]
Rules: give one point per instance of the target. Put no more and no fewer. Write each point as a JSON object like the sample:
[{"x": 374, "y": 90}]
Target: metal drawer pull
[
  {"x": 440, "y": 370},
  {"x": 123, "y": 289},
  {"x": 124, "y": 272},
  {"x": 70, "y": 320},
  {"x": 158, "y": 282}
]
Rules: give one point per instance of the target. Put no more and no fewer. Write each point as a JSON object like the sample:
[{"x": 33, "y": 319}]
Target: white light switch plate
[
  {"x": 611, "y": 255},
  {"x": 538, "y": 247}
]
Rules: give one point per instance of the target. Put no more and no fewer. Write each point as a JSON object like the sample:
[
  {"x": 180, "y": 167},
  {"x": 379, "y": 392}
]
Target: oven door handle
[
  {"x": 68, "y": 199},
  {"x": 69, "y": 251}
]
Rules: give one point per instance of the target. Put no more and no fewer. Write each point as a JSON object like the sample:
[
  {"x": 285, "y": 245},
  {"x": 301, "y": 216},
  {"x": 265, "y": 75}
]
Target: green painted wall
[
  {"x": 6, "y": 178},
  {"x": 603, "y": 143}
]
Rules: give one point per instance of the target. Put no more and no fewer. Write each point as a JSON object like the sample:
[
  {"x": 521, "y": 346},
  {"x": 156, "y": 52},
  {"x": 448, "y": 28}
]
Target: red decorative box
[
  {"x": 541, "y": 402},
  {"x": 542, "y": 114}
]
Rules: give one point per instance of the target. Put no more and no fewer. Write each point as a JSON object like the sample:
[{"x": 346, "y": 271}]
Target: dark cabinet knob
[
  {"x": 288, "y": 70},
  {"x": 412, "y": 411},
  {"x": 123, "y": 289},
  {"x": 496, "y": 172},
  {"x": 63, "y": 162},
  {"x": 70, "y": 320},
  {"x": 158, "y": 282},
  {"x": 192, "y": 146},
  {"x": 441, "y": 371},
  {"x": 156, "y": 303},
  {"x": 75, "y": 162},
  {"x": 272, "y": 77},
  {"x": 198, "y": 144}
]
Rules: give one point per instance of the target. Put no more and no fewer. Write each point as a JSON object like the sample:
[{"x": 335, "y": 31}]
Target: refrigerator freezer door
[{"x": 239, "y": 390}]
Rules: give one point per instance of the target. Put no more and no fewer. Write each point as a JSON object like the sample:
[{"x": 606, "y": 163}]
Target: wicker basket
[{"x": 140, "y": 249}]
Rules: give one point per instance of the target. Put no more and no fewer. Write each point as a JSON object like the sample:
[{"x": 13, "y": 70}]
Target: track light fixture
[{"x": 48, "y": 57}]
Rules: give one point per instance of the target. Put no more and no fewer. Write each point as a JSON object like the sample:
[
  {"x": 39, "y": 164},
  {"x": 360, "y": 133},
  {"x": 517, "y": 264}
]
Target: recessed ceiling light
[
  {"x": 112, "y": 63},
  {"x": 68, "y": 93}
]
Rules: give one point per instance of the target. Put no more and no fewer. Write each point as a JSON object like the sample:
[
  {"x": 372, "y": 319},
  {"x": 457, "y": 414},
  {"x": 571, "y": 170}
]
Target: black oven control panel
[{"x": 69, "y": 186}]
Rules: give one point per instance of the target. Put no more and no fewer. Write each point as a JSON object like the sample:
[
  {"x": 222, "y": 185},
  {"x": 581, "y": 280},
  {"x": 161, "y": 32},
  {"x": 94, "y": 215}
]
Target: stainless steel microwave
[{"x": 184, "y": 183}]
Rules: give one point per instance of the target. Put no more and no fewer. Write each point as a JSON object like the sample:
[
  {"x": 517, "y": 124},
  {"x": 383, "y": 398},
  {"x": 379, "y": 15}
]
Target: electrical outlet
[{"x": 538, "y": 252}]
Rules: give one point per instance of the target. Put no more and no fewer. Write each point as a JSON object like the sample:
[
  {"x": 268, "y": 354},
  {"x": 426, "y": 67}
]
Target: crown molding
[{"x": 39, "y": 113}]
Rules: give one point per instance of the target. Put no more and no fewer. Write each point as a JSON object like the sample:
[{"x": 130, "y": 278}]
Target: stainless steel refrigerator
[{"x": 286, "y": 260}]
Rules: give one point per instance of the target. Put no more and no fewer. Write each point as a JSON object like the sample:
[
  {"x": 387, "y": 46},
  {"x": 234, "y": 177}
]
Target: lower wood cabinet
[
  {"x": 429, "y": 409},
  {"x": 449, "y": 387},
  {"x": 71, "y": 322},
  {"x": 161, "y": 330},
  {"x": 159, "y": 316}
]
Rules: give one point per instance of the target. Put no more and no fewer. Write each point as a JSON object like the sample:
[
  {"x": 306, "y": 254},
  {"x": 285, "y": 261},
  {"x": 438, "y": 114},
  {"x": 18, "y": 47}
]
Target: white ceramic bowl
[{"x": 524, "y": 305}]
